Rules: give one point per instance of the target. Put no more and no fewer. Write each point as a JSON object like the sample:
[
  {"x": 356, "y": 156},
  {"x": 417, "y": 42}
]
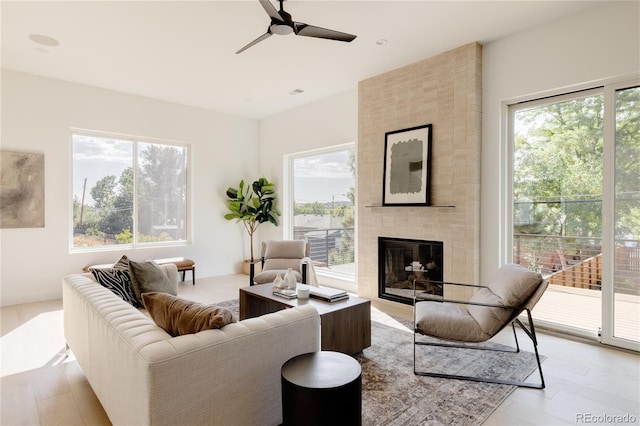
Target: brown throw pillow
[
  {"x": 147, "y": 277},
  {"x": 181, "y": 316}
]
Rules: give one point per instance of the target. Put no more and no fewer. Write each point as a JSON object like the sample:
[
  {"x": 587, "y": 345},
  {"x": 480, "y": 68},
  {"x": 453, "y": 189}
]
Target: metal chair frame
[{"x": 517, "y": 310}]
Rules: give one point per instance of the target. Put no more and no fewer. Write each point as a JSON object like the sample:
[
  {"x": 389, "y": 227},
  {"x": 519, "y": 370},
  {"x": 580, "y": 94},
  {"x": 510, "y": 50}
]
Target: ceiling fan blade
[
  {"x": 313, "y": 31},
  {"x": 256, "y": 41},
  {"x": 271, "y": 10}
]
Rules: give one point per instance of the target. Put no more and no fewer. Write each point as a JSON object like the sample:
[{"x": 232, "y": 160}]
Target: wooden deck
[{"x": 582, "y": 308}]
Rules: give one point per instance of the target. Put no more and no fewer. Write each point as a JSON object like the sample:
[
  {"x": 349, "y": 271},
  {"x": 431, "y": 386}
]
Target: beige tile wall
[{"x": 445, "y": 91}]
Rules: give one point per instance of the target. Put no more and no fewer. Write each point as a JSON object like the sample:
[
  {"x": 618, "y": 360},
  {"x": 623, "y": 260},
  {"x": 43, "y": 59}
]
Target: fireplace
[{"x": 403, "y": 261}]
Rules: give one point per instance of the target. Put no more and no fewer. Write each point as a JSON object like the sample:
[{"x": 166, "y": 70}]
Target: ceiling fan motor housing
[{"x": 280, "y": 28}]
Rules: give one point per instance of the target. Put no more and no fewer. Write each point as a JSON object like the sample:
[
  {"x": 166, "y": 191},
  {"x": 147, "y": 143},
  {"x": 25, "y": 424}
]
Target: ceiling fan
[{"x": 282, "y": 24}]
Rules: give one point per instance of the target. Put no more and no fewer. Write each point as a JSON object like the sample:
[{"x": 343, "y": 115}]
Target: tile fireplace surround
[{"x": 445, "y": 91}]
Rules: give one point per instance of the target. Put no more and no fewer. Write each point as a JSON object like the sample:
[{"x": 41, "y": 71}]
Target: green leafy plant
[{"x": 252, "y": 205}]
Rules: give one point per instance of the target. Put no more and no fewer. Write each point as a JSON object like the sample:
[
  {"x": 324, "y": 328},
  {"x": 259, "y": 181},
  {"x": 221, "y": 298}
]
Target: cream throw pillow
[{"x": 181, "y": 316}]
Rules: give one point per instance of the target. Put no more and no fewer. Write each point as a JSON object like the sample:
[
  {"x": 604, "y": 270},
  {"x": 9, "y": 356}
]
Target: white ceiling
[{"x": 184, "y": 51}]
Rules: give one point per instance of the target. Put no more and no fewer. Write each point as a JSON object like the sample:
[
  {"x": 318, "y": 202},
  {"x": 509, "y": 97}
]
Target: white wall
[
  {"x": 332, "y": 121},
  {"x": 36, "y": 116},
  {"x": 601, "y": 43}
]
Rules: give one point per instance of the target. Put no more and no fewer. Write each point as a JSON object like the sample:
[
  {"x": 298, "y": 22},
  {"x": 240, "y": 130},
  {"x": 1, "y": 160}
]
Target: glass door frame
[{"x": 608, "y": 216}]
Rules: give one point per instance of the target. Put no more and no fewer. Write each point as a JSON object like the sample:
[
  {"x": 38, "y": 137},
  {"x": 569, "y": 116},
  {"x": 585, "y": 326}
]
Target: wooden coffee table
[{"x": 345, "y": 325}]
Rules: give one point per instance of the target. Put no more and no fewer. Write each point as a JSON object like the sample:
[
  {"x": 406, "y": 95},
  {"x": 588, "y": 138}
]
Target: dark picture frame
[{"x": 407, "y": 167}]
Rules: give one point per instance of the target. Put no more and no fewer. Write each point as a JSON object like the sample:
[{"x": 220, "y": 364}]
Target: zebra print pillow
[
  {"x": 118, "y": 281},
  {"x": 122, "y": 263}
]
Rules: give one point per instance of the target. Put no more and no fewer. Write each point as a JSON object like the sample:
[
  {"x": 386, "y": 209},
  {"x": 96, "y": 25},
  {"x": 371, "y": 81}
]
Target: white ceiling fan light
[{"x": 44, "y": 40}]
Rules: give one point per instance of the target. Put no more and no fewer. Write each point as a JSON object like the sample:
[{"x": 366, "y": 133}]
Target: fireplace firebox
[{"x": 401, "y": 262}]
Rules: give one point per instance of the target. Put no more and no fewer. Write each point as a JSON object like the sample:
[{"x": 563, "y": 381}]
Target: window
[
  {"x": 323, "y": 211},
  {"x": 127, "y": 191}
]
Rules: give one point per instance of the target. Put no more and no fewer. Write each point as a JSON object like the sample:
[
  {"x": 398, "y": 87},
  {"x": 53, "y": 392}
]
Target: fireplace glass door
[{"x": 405, "y": 262}]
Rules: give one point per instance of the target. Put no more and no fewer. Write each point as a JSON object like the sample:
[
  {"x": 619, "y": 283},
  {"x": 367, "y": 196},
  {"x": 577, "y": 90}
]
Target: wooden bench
[{"x": 182, "y": 263}]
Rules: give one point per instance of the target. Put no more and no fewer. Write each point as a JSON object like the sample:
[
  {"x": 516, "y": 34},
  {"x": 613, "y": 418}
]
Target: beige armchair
[
  {"x": 277, "y": 257},
  {"x": 512, "y": 291}
]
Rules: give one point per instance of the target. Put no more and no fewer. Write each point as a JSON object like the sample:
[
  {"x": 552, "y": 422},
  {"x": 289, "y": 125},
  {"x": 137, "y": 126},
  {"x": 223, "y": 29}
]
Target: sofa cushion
[
  {"x": 147, "y": 277},
  {"x": 179, "y": 316},
  {"x": 118, "y": 281}
]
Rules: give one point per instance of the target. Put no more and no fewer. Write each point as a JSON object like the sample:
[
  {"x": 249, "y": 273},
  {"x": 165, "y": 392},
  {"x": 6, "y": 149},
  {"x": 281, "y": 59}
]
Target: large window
[
  {"x": 576, "y": 210},
  {"x": 323, "y": 188},
  {"x": 127, "y": 191}
]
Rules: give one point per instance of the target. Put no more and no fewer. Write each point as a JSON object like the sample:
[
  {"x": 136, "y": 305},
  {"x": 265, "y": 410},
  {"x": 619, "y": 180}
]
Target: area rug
[{"x": 393, "y": 395}]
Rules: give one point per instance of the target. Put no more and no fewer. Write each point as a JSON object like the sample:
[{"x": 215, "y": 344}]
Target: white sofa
[{"x": 142, "y": 375}]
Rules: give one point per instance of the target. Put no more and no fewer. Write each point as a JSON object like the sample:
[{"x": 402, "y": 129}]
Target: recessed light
[
  {"x": 296, "y": 92},
  {"x": 43, "y": 40},
  {"x": 382, "y": 41}
]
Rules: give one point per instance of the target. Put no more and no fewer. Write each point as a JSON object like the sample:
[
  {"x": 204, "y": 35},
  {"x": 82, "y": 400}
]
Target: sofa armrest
[{"x": 171, "y": 271}]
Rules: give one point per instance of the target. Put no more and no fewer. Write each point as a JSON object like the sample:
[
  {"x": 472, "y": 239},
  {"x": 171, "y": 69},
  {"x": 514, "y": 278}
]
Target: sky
[
  {"x": 323, "y": 177},
  {"x": 95, "y": 158}
]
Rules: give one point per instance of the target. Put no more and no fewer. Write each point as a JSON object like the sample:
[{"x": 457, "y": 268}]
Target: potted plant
[{"x": 252, "y": 205}]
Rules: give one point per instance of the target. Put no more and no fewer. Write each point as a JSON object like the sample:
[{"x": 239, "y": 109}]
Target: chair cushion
[
  {"x": 287, "y": 249},
  {"x": 270, "y": 276},
  {"x": 181, "y": 316},
  {"x": 514, "y": 284},
  {"x": 281, "y": 264},
  {"x": 147, "y": 277},
  {"x": 490, "y": 320},
  {"x": 448, "y": 321}
]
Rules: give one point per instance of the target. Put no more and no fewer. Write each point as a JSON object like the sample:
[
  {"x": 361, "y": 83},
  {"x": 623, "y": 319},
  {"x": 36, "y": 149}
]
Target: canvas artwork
[
  {"x": 21, "y": 189},
  {"x": 407, "y": 166}
]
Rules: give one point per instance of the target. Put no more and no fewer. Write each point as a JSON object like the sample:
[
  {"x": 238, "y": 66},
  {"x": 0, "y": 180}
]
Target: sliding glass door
[{"x": 575, "y": 208}]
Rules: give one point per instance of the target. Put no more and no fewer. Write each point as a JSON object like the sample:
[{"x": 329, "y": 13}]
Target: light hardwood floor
[{"x": 39, "y": 386}]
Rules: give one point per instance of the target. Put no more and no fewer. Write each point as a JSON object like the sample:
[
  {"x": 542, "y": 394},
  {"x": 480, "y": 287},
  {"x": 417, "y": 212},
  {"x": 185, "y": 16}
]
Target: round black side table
[{"x": 322, "y": 388}]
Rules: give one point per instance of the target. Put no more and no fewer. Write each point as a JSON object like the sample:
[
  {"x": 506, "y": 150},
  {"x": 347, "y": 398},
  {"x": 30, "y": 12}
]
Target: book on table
[
  {"x": 288, "y": 294},
  {"x": 326, "y": 294}
]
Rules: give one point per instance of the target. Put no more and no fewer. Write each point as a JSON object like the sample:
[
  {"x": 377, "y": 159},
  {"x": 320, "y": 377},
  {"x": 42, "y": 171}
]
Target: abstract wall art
[
  {"x": 407, "y": 163},
  {"x": 21, "y": 189}
]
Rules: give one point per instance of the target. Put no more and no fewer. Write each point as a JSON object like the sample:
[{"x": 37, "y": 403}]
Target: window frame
[{"x": 135, "y": 140}]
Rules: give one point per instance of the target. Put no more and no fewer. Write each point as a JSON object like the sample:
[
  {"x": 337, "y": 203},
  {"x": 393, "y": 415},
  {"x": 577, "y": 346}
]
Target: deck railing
[
  {"x": 577, "y": 261},
  {"x": 329, "y": 246}
]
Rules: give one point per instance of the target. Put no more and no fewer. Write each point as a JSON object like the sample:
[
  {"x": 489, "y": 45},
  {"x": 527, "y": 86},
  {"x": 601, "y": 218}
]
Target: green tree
[
  {"x": 558, "y": 167},
  {"x": 161, "y": 187},
  {"x": 103, "y": 192},
  {"x": 114, "y": 202},
  {"x": 627, "y": 164}
]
